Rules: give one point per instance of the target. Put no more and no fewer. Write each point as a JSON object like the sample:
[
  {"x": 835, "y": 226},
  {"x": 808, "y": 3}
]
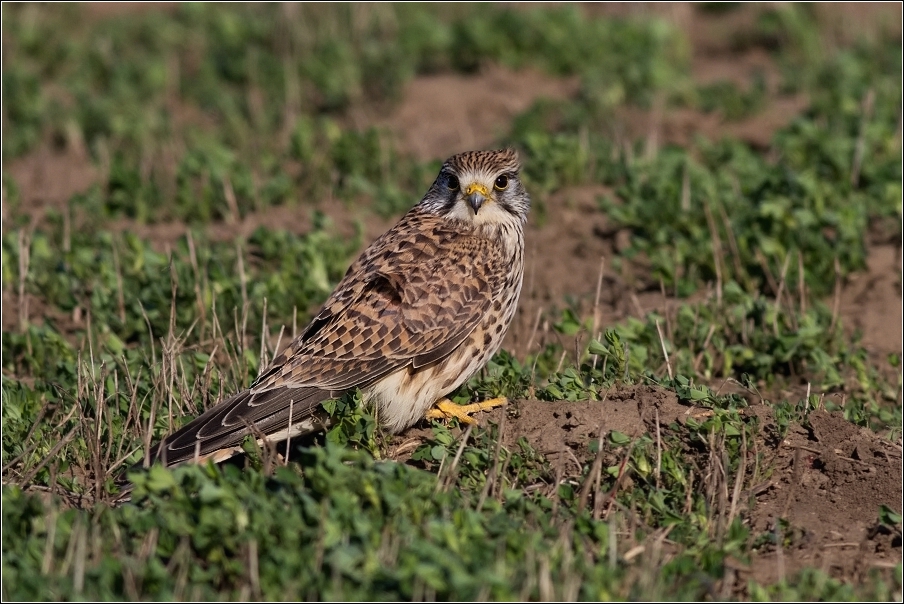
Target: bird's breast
[{"x": 404, "y": 396}]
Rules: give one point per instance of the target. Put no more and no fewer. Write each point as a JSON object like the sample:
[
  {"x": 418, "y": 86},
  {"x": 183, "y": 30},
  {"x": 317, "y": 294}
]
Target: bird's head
[{"x": 480, "y": 187}]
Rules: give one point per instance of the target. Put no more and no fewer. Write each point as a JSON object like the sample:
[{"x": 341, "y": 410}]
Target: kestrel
[{"x": 416, "y": 315}]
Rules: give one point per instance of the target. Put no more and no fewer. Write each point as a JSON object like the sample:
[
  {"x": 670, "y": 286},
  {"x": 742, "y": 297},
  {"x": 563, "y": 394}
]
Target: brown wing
[{"x": 411, "y": 298}]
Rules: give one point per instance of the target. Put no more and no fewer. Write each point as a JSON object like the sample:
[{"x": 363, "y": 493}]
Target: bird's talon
[{"x": 446, "y": 409}]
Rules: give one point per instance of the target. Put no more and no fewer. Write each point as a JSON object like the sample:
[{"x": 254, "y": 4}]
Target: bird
[{"x": 417, "y": 314}]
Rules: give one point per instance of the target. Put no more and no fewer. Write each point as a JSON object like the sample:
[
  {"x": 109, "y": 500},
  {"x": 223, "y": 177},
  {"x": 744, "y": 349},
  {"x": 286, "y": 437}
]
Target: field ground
[{"x": 705, "y": 366}]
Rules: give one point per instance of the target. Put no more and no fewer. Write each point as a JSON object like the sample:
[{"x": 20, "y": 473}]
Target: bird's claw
[{"x": 446, "y": 409}]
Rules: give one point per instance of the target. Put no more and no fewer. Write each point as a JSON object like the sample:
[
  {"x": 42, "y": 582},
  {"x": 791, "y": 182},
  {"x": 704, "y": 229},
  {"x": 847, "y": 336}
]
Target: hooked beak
[{"x": 476, "y": 194}]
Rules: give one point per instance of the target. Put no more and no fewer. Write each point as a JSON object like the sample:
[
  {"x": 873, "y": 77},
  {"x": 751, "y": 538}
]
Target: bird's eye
[
  {"x": 452, "y": 182},
  {"x": 501, "y": 183}
]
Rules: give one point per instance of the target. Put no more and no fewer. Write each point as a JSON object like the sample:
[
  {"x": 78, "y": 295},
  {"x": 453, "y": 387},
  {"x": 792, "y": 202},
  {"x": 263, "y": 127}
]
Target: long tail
[{"x": 218, "y": 433}]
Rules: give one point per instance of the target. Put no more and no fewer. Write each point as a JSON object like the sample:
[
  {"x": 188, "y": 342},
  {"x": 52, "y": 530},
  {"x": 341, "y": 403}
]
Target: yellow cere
[{"x": 477, "y": 188}]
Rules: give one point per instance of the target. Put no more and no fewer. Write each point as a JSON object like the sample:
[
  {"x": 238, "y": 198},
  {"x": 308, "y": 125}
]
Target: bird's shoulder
[{"x": 422, "y": 253}]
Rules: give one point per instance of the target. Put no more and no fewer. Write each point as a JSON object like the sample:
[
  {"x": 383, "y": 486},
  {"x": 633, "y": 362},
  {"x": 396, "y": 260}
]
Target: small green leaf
[
  {"x": 619, "y": 438},
  {"x": 888, "y": 516}
]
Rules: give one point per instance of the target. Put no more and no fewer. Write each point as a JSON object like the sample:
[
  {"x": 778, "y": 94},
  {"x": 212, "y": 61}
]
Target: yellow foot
[{"x": 446, "y": 409}]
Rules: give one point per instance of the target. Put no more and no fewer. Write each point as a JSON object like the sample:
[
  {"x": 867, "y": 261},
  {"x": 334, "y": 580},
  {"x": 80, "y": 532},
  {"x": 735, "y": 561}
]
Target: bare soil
[
  {"x": 817, "y": 492},
  {"x": 828, "y": 482},
  {"x": 475, "y": 111},
  {"x": 870, "y": 302}
]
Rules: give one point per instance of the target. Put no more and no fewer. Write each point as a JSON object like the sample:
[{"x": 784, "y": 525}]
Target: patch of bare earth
[
  {"x": 828, "y": 482},
  {"x": 48, "y": 177},
  {"x": 443, "y": 114},
  {"x": 343, "y": 218},
  {"x": 870, "y": 301},
  {"x": 565, "y": 429},
  {"x": 19, "y": 311},
  {"x": 104, "y": 10},
  {"x": 817, "y": 492}
]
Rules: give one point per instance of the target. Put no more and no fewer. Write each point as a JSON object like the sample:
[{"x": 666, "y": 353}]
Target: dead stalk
[
  {"x": 243, "y": 280},
  {"x": 229, "y": 194},
  {"x": 668, "y": 362},
  {"x": 120, "y": 295},
  {"x": 530, "y": 343},
  {"x": 24, "y": 261},
  {"x": 866, "y": 112},
  {"x": 28, "y": 450},
  {"x": 199, "y": 297},
  {"x": 446, "y": 481},
  {"x": 764, "y": 264},
  {"x": 621, "y": 473},
  {"x": 597, "y": 315},
  {"x": 253, "y": 571},
  {"x": 778, "y": 295},
  {"x": 801, "y": 284},
  {"x": 494, "y": 473},
  {"x": 263, "y": 355},
  {"x": 685, "y": 190},
  {"x": 658, "y": 451},
  {"x": 50, "y": 455},
  {"x": 282, "y": 330},
  {"x": 732, "y": 241},
  {"x": 717, "y": 251},
  {"x": 739, "y": 478},
  {"x": 836, "y": 298},
  {"x": 591, "y": 478}
]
